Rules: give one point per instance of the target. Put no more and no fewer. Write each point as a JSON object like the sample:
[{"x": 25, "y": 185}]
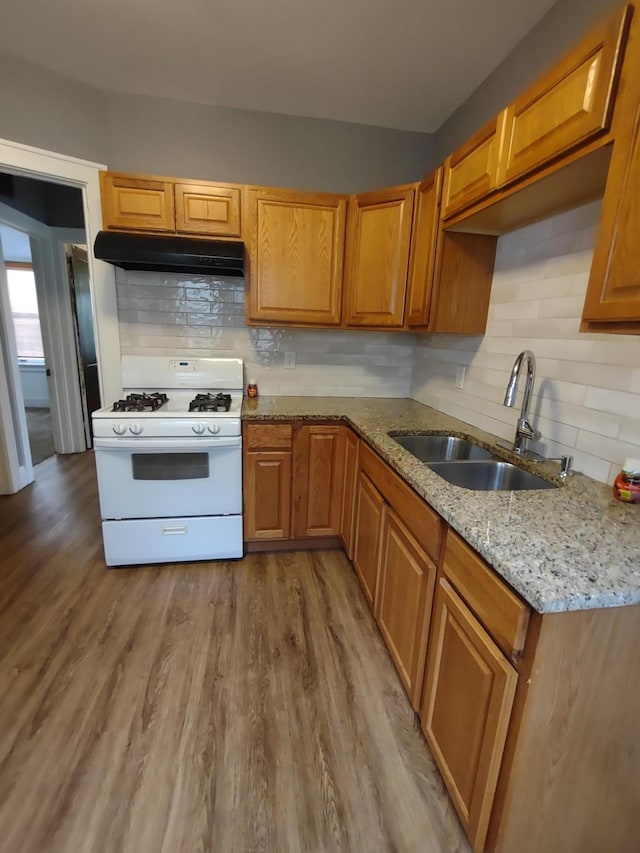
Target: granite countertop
[{"x": 570, "y": 548}]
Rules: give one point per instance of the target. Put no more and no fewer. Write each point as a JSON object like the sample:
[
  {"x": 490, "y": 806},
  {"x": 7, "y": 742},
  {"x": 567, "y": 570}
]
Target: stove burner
[
  {"x": 210, "y": 403},
  {"x": 140, "y": 402}
]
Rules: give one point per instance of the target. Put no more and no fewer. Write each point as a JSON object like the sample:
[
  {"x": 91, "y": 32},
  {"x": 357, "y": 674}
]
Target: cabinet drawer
[
  {"x": 423, "y": 522},
  {"x": 503, "y": 614},
  {"x": 268, "y": 436}
]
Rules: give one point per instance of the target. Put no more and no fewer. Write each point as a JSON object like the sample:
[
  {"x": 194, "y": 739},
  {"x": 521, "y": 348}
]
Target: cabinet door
[
  {"x": 370, "y": 510},
  {"x": 136, "y": 204},
  {"x": 568, "y": 105},
  {"x": 613, "y": 294},
  {"x": 471, "y": 173},
  {"x": 378, "y": 242},
  {"x": 423, "y": 250},
  {"x": 207, "y": 209},
  {"x": 317, "y": 477},
  {"x": 267, "y": 495},
  {"x": 466, "y": 706},
  {"x": 296, "y": 249},
  {"x": 403, "y": 606},
  {"x": 352, "y": 444}
]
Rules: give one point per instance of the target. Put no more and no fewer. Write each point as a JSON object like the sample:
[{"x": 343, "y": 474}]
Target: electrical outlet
[
  {"x": 460, "y": 373},
  {"x": 290, "y": 360}
]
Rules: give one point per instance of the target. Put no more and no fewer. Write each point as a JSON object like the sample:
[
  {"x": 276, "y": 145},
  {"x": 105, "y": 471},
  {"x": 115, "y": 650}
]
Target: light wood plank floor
[{"x": 232, "y": 706}]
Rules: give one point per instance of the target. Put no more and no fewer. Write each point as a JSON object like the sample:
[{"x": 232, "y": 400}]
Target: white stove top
[{"x": 180, "y": 379}]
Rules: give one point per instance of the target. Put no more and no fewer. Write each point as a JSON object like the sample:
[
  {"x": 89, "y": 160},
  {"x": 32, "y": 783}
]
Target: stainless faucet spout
[{"x": 524, "y": 430}]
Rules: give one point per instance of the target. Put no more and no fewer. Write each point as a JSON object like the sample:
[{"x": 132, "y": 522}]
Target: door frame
[{"x": 25, "y": 160}]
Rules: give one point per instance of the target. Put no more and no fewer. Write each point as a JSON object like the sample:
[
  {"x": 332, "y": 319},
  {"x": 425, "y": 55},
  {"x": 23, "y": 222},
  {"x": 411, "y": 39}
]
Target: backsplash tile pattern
[
  {"x": 587, "y": 392},
  {"x": 165, "y": 314}
]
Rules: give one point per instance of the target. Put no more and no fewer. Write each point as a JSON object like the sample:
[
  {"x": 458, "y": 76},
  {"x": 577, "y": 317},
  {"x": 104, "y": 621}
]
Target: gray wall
[
  {"x": 43, "y": 109},
  {"x": 562, "y": 27},
  {"x": 195, "y": 141},
  {"x": 141, "y": 134}
]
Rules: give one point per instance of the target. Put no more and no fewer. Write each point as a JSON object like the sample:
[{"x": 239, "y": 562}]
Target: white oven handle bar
[{"x": 166, "y": 445}]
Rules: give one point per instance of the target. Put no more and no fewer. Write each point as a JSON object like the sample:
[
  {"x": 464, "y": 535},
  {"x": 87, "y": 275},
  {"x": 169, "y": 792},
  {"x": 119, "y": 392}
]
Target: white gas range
[{"x": 169, "y": 461}]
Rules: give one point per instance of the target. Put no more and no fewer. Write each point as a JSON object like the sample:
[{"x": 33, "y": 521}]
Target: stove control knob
[
  {"x": 198, "y": 429},
  {"x": 119, "y": 429},
  {"x": 214, "y": 428},
  {"x": 135, "y": 429}
]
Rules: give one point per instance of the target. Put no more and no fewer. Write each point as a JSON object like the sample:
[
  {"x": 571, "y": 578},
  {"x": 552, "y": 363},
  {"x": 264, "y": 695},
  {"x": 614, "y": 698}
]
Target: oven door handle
[{"x": 167, "y": 445}]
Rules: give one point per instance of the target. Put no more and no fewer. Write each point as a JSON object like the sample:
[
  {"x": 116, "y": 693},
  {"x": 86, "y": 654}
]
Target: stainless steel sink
[
  {"x": 490, "y": 475},
  {"x": 440, "y": 448}
]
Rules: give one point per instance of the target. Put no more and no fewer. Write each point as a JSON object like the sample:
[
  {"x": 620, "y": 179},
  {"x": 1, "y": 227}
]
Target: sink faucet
[{"x": 524, "y": 430}]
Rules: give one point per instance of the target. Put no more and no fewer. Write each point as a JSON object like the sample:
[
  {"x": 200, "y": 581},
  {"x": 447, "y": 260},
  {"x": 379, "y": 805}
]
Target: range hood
[{"x": 170, "y": 254}]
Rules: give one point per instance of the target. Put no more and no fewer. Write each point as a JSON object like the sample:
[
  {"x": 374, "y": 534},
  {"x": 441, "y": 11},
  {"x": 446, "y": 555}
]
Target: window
[{"x": 24, "y": 310}]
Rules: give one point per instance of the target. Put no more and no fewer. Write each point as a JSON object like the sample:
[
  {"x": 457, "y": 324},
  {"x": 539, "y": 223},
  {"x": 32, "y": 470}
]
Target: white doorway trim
[
  {"x": 36, "y": 163},
  {"x": 61, "y": 169}
]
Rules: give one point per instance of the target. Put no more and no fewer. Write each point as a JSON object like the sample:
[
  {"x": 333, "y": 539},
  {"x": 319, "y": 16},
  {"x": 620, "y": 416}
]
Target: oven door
[{"x": 164, "y": 478}]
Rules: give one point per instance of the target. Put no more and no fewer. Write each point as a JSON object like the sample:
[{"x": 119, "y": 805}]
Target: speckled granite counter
[{"x": 571, "y": 548}]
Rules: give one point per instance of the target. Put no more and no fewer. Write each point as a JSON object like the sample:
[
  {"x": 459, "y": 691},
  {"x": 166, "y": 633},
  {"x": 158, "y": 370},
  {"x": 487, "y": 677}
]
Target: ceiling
[{"x": 404, "y": 64}]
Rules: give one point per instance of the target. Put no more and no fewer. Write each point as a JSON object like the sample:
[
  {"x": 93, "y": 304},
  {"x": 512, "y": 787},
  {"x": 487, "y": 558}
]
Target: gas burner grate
[
  {"x": 210, "y": 403},
  {"x": 143, "y": 402}
]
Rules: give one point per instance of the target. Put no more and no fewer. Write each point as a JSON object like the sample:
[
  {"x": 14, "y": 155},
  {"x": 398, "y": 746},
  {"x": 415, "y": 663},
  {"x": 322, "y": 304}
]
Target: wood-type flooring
[{"x": 228, "y": 706}]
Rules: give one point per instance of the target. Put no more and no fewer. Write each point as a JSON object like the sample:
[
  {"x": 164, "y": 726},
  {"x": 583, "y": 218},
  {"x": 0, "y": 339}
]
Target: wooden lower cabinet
[
  {"x": 293, "y": 481},
  {"x": 369, "y": 515},
  {"x": 350, "y": 473},
  {"x": 317, "y": 476},
  {"x": 466, "y": 707},
  {"x": 403, "y": 604}
]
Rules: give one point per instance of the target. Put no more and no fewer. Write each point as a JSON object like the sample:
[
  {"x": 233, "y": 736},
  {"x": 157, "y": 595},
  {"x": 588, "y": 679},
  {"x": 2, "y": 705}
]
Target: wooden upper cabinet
[
  {"x": 423, "y": 250},
  {"x": 318, "y": 471},
  {"x": 466, "y": 707},
  {"x": 613, "y": 293},
  {"x": 207, "y": 209},
  {"x": 296, "y": 249},
  {"x": 131, "y": 203},
  {"x": 471, "y": 172},
  {"x": 378, "y": 240},
  {"x": 568, "y": 105}
]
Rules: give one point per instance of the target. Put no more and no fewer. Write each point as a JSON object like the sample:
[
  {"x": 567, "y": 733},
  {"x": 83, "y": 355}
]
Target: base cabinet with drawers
[
  {"x": 293, "y": 481},
  {"x": 531, "y": 718}
]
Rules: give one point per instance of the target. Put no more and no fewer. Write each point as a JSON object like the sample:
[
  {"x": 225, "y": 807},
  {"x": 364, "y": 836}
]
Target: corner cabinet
[
  {"x": 318, "y": 478},
  {"x": 296, "y": 250},
  {"x": 378, "y": 240},
  {"x": 423, "y": 250},
  {"x": 169, "y": 206}
]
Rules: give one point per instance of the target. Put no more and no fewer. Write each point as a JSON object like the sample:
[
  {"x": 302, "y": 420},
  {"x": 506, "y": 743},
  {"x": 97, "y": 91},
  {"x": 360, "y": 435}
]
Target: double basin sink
[{"x": 463, "y": 463}]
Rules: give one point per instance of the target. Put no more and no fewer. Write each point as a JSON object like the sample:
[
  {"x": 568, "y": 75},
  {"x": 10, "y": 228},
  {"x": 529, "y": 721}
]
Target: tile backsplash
[
  {"x": 161, "y": 314},
  {"x": 587, "y": 393}
]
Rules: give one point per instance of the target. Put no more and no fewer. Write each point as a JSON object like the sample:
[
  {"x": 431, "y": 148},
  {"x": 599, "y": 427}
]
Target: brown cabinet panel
[
  {"x": 502, "y": 612},
  {"x": 267, "y": 436},
  {"x": 466, "y": 707},
  {"x": 318, "y": 478},
  {"x": 352, "y": 443},
  {"x": 207, "y": 209},
  {"x": 378, "y": 257},
  {"x": 296, "y": 248},
  {"x": 423, "y": 250},
  {"x": 613, "y": 294},
  {"x": 568, "y": 105},
  {"x": 130, "y": 203},
  {"x": 267, "y": 495},
  {"x": 471, "y": 173},
  {"x": 369, "y": 516},
  {"x": 403, "y": 606}
]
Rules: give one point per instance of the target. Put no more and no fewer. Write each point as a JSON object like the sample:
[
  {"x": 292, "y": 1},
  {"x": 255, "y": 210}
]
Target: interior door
[
  {"x": 16, "y": 470},
  {"x": 79, "y": 283}
]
